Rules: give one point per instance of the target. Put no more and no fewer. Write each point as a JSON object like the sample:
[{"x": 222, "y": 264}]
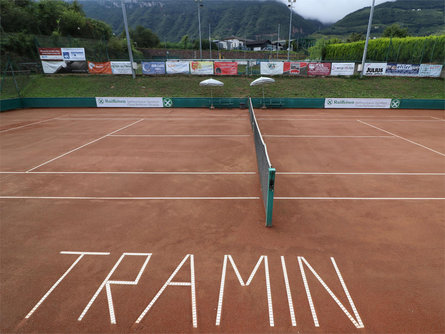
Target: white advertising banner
[
  {"x": 374, "y": 69},
  {"x": 50, "y": 67},
  {"x": 272, "y": 68},
  {"x": 73, "y": 54},
  {"x": 342, "y": 68},
  {"x": 201, "y": 67},
  {"x": 129, "y": 102},
  {"x": 428, "y": 70},
  {"x": 177, "y": 67},
  {"x": 121, "y": 67},
  {"x": 357, "y": 103}
]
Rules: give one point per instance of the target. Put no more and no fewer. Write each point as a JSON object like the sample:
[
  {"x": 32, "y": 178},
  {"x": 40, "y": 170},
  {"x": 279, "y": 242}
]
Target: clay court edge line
[
  {"x": 167, "y": 135},
  {"x": 78, "y": 148},
  {"x": 23, "y": 126},
  {"x": 339, "y": 173},
  {"x": 363, "y": 198},
  {"x": 410, "y": 141},
  {"x": 260, "y": 118},
  {"x": 315, "y": 136},
  {"x": 127, "y": 198},
  {"x": 139, "y": 173}
]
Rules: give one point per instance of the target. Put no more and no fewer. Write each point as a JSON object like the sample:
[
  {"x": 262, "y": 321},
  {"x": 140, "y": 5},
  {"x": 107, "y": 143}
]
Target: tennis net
[{"x": 265, "y": 170}]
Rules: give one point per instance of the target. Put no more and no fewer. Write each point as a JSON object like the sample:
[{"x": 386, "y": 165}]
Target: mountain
[
  {"x": 420, "y": 17},
  {"x": 171, "y": 20}
]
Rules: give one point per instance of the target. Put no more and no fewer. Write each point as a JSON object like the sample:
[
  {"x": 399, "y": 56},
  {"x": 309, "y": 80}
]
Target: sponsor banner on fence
[
  {"x": 319, "y": 69},
  {"x": 201, "y": 67},
  {"x": 50, "y": 67},
  {"x": 226, "y": 68},
  {"x": 374, "y": 69},
  {"x": 357, "y": 103},
  {"x": 50, "y": 53},
  {"x": 295, "y": 68},
  {"x": 402, "y": 70},
  {"x": 99, "y": 68},
  {"x": 177, "y": 67},
  {"x": 129, "y": 102},
  {"x": 272, "y": 68},
  {"x": 428, "y": 70},
  {"x": 73, "y": 53},
  {"x": 121, "y": 67},
  {"x": 342, "y": 68},
  {"x": 153, "y": 67}
]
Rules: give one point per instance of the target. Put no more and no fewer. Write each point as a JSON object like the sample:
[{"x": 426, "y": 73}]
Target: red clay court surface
[{"x": 151, "y": 221}]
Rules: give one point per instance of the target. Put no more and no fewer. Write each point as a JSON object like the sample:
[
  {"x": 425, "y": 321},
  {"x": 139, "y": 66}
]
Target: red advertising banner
[
  {"x": 50, "y": 53},
  {"x": 295, "y": 68},
  {"x": 319, "y": 69},
  {"x": 226, "y": 68},
  {"x": 99, "y": 68}
]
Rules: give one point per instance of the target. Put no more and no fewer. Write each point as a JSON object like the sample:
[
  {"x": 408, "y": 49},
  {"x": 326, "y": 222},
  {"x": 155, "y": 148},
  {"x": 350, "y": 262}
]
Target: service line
[{"x": 24, "y": 126}]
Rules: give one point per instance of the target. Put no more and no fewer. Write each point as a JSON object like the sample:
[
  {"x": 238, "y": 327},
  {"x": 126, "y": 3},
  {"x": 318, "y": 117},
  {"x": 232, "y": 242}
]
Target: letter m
[{"x": 223, "y": 279}]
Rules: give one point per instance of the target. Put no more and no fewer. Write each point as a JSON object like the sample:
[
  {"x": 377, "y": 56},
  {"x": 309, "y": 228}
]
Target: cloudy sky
[{"x": 329, "y": 11}]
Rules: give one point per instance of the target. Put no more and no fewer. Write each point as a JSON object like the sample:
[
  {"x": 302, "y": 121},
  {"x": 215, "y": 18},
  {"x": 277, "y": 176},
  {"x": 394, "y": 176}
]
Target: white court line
[
  {"x": 410, "y": 141},
  {"x": 363, "y": 198},
  {"x": 78, "y": 148},
  {"x": 23, "y": 126},
  {"x": 439, "y": 119},
  {"x": 346, "y": 116},
  {"x": 334, "y": 173},
  {"x": 128, "y": 198},
  {"x": 313, "y": 136},
  {"x": 139, "y": 173},
  {"x": 342, "y": 119},
  {"x": 151, "y": 118},
  {"x": 181, "y": 135},
  {"x": 97, "y": 119},
  {"x": 404, "y": 120}
]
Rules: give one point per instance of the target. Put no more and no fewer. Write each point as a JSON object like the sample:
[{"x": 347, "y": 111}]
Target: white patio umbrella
[
  {"x": 262, "y": 81},
  {"x": 211, "y": 83}
]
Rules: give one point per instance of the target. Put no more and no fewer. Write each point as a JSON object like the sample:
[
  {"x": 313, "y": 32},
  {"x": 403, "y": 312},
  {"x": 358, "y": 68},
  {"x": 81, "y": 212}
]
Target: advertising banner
[
  {"x": 73, "y": 54},
  {"x": 295, "y": 68},
  {"x": 342, "y": 68},
  {"x": 129, "y": 102},
  {"x": 50, "y": 54},
  {"x": 226, "y": 68},
  {"x": 374, "y": 69},
  {"x": 319, "y": 69},
  {"x": 121, "y": 67},
  {"x": 272, "y": 68},
  {"x": 177, "y": 67},
  {"x": 50, "y": 67},
  {"x": 154, "y": 67},
  {"x": 99, "y": 68},
  {"x": 402, "y": 70},
  {"x": 201, "y": 67},
  {"x": 428, "y": 70},
  {"x": 357, "y": 103}
]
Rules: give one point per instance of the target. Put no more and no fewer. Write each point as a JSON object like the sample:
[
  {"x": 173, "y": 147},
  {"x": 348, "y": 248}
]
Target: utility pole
[
  {"x": 130, "y": 53},
  {"x": 367, "y": 38},
  {"x": 199, "y": 2},
  {"x": 210, "y": 42},
  {"x": 278, "y": 39},
  {"x": 290, "y": 26}
]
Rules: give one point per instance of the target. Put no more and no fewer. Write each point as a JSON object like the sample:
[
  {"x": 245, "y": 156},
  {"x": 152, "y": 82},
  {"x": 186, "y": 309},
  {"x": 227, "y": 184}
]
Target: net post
[{"x": 270, "y": 194}]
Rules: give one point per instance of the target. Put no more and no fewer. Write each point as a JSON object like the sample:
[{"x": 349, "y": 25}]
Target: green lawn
[{"x": 188, "y": 86}]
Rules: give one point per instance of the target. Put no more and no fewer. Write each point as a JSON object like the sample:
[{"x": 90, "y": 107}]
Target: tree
[
  {"x": 395, "y": 30},
  {"x": 355, "y": 37},
  {"x": 144, "y": 37}
]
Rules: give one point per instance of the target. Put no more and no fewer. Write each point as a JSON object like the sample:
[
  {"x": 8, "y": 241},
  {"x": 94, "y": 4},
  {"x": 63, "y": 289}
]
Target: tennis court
[{"x": 152, "y": 220}]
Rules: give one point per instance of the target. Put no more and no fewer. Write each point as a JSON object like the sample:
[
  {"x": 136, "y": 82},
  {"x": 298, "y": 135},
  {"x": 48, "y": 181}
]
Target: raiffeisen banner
[
  {"x": 177, "y": 67},
  {"x": 226, "y": 68},
  {"x": 201, "y": 67},
  {"x": 272, "y": 68},
  {"x": 153, "y": 67},
  {"x": 129, "y": 102},
  {"x": 364, "y": 103}
]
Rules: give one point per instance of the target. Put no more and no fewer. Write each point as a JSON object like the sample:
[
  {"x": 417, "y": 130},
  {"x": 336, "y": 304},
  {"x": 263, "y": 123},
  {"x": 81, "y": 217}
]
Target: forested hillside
[
  {"x": 171, "y": 20},
  {"x": 420, "y": 17}
]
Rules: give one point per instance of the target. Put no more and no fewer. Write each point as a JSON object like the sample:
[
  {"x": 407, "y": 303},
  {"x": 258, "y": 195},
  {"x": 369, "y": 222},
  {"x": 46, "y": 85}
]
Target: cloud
[{"x": 329, "y": 11}]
